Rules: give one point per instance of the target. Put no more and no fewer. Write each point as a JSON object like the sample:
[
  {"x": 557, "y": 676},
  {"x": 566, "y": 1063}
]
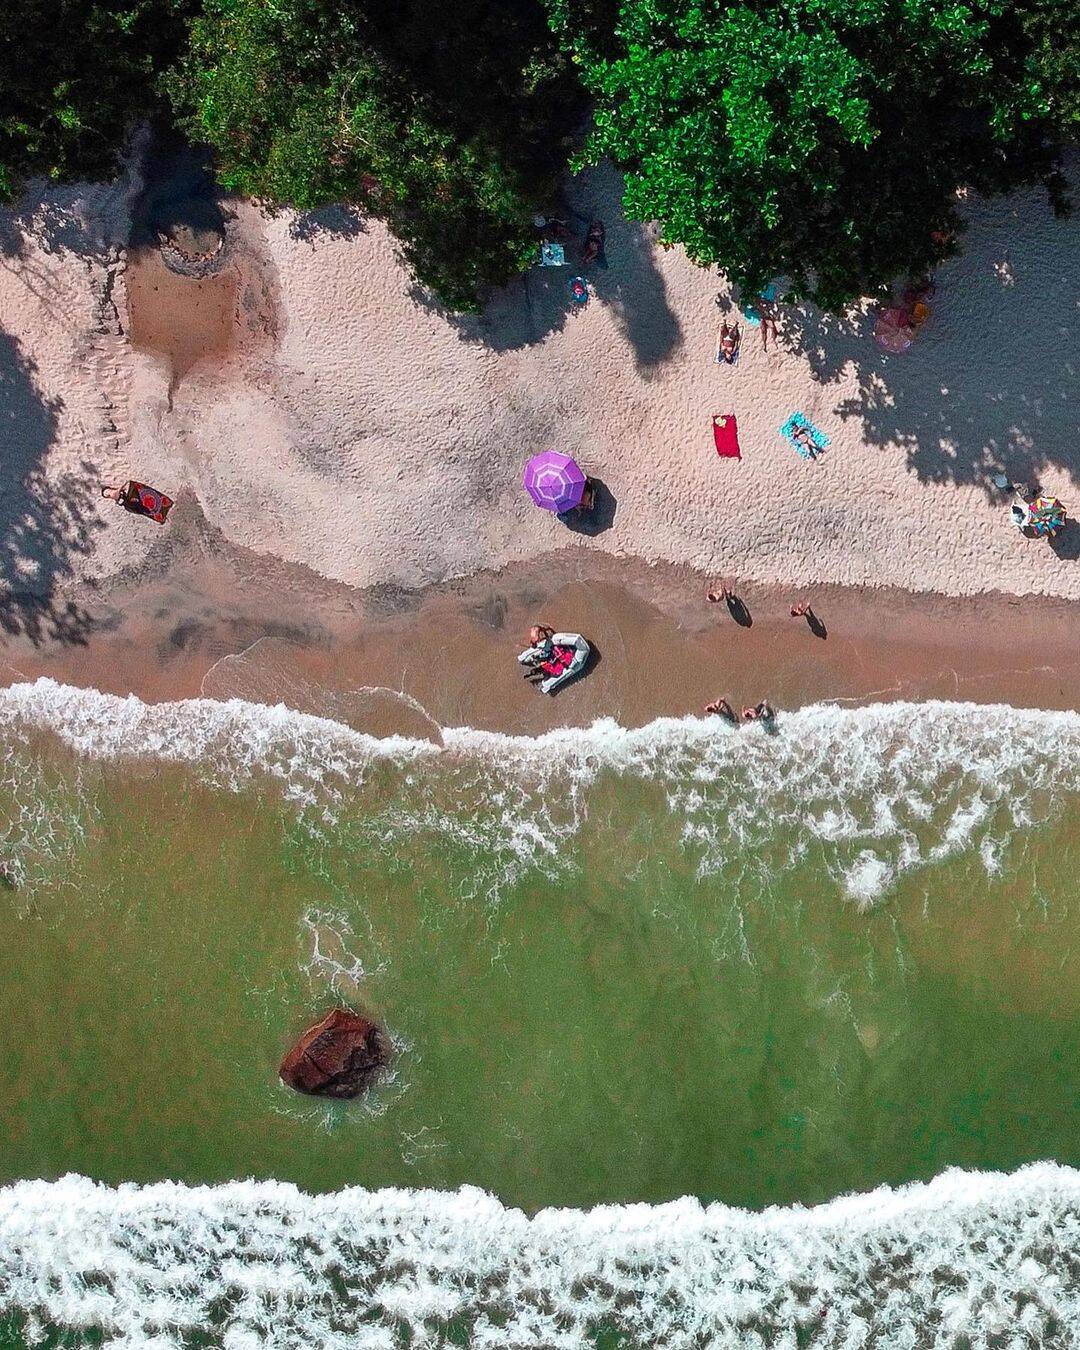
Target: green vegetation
[
  {"x": 823, "y": 140},
  {"x": 74, "y": 75},
  {"x": 450, "y": 122}
]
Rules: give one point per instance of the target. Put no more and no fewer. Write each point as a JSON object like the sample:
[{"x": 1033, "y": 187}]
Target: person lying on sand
[
  {"x": 764, "y": 712},
  {"x": 139, "y": 499},
  {"x": 804, "y": 437},
  {"x": 721, "y": 708},
  {"x": 727, "y": 342}
]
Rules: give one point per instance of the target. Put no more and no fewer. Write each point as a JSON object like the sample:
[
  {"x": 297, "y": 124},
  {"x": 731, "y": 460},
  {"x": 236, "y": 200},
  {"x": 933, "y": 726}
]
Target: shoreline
[{"x": 220, "y": 622}]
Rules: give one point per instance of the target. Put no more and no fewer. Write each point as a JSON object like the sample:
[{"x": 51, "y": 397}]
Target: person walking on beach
[
  {"x": 721, "y": 708},
  {"x": 763, "y": 713}
]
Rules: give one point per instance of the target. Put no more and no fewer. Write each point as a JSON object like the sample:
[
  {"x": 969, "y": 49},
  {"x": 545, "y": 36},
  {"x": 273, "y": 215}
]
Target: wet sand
[{"x": 209, "y": 618}]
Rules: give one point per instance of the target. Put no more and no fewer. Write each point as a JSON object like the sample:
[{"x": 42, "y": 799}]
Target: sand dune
[{"x": 309, "y": 404}]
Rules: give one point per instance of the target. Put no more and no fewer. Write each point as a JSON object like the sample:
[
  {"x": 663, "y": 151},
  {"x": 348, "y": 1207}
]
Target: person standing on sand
[
  {"x": 722, "y": 592},
  {"x": 767, "y": 310},
  {"x": 763, "y": 713}
]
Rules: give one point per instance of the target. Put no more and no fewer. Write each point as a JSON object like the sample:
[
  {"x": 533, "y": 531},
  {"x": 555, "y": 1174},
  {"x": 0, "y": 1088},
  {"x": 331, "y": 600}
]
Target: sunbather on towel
[
  {"x": 804, "y": 437},
  {"x": 727, "y": 343}
]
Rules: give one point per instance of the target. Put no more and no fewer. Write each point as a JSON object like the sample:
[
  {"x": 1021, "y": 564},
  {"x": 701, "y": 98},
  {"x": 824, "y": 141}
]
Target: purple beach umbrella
[{"x": 554, "y": 481}]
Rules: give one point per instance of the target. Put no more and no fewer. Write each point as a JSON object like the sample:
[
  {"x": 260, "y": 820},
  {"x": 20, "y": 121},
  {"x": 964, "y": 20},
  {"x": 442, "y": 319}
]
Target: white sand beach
[{"x": 308, "y": 404}]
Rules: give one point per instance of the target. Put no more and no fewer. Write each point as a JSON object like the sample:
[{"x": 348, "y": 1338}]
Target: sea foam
[
  {"x": 879, "y": 789},
  {"x": 982, "y": 1261}
]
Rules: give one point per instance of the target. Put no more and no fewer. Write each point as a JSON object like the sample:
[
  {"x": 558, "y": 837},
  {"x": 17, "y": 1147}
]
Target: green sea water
[{"x": 762, "y": 970}]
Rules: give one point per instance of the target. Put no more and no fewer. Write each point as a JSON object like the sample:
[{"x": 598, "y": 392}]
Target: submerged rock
[{"x": 338, "y": 1057}]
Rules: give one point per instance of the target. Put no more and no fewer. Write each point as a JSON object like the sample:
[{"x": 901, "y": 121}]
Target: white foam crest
[
  {"x": 264, "y": 1265},
  {"x": 881, "y": 788}
]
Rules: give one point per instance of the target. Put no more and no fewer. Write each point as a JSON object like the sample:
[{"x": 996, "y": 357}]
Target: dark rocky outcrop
[{"x": 338, "y": 1057}]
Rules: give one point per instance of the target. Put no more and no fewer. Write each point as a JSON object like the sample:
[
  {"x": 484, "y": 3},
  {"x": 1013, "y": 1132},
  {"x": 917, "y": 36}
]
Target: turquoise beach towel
[
  {"x": 797, "y": 419},
  {"x": 750, "y": 311}
]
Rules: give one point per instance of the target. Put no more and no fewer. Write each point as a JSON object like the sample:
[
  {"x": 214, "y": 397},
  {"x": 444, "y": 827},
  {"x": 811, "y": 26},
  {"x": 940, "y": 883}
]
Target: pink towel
[{"x": 725, "y": 432}]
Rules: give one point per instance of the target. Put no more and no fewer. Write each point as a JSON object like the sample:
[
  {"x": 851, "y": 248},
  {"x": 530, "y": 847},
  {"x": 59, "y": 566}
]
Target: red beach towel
[{"x": 725, "y": 432}]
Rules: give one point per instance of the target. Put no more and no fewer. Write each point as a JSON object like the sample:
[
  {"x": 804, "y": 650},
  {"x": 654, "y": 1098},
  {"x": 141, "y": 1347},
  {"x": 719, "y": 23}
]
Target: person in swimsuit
[
  {"x": 593, "y": 248},
  {"x": 721, "y": 708},
  {"x": 767, "y": 310},
  {"x": 139, "y": 499},
  {"x": 764, "y": 713},
  {"x": 727, "y": 342},
  {"x": 802, "y": 436}
]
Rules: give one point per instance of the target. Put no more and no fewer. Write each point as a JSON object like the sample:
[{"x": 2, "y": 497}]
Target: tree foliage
[
  {"x": 821, "y": 140},
  {"x": 74, "y": 74},
  {"x": 448, "y": 121}
]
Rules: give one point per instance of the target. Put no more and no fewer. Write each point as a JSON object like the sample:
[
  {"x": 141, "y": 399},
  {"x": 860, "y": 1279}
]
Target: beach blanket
[
  {"x": 141, "y": 500},
  {"x": 552, "y": 254},
  {"x": 725, "y": 432},
  {"x": 796, "y": 420}
]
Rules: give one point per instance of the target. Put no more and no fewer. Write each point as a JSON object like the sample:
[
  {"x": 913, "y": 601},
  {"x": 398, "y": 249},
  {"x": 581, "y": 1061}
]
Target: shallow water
[{"x": 617, "y": 967}]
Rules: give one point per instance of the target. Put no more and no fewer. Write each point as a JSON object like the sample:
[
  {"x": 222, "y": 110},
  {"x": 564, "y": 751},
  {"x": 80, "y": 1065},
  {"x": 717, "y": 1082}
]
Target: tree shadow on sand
[
  {"x": 990, "y": 383},
  {"x": 44, "y": 523},
  {"x": 539, "y": 303}
]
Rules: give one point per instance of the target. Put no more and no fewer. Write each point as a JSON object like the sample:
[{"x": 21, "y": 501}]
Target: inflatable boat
[{"x": 561, "y": 658}]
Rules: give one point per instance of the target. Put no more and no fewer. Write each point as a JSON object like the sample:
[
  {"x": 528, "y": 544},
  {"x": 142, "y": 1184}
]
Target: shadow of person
[
  {"x": 816, "y": 626},
  {"x": 600, "y": 518},
  {"x": 738, "y": 611}
]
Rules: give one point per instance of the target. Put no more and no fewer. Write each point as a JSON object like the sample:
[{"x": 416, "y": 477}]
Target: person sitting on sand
[
  {"x": 139, "y": 499},
  {"x": 593, "y": 247},
  {"x": 727, "y": 343},
  {"x": 585, "y": 506},
  {"x": 721, "y": 708},
  {"x": 764, "y": 713}
]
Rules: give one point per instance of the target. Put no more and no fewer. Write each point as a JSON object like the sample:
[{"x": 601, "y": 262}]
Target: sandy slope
[{"x": 331, "y": 418}]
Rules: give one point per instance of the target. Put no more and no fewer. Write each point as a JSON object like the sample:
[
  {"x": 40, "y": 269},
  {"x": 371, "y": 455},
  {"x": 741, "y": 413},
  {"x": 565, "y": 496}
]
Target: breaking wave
[
  {"x": 969, "y": 1259},
  {"x": 878, "y": 790}
]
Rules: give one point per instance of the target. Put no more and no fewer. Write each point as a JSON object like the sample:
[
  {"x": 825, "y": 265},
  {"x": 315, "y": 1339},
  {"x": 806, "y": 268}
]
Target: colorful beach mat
[
  {"x": 796, "y": 420},
  {"x": 725, "y": 432}
]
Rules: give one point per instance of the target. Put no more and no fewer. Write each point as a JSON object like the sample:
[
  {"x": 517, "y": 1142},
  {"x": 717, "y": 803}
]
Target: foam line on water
[
  {"x": 881, "y": 788},
  {"x": 246, "y": 1265}
]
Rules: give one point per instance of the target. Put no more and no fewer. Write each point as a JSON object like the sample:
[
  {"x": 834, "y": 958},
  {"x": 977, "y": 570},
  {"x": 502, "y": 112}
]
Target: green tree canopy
[
  {"x": 451, "y": 122},
  {"x": 822, "y": 140},
  {"x": 74, "y": 75}
]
